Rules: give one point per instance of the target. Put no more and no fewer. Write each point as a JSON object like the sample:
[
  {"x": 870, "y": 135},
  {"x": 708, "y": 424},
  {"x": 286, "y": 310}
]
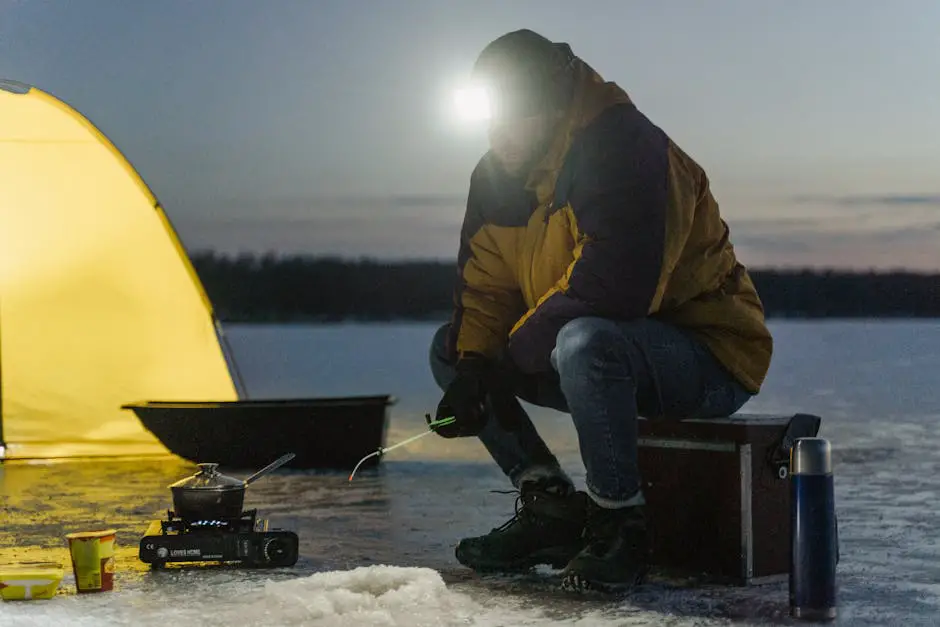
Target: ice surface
[{"x": 379, "y": 550}]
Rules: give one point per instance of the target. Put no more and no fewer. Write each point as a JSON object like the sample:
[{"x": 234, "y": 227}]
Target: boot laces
[{"x": 521, "y": 509}]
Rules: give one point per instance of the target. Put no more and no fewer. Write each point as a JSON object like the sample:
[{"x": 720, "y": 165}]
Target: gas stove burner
[
  {"x": 248, "y": 521},
  {"x": 208, "y": 524},
  {"x": 245, "y": 540}
]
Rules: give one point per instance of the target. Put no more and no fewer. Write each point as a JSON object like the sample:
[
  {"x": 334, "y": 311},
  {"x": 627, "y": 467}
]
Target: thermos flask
[{"x": 814, "y": 543}]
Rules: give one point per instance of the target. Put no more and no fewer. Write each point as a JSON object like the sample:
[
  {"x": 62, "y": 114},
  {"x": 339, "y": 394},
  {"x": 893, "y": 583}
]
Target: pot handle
[{"x": 280, "y": 461}]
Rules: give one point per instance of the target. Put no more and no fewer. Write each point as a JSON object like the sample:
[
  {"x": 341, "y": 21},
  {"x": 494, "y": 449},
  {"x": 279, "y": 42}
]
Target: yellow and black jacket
[{"x": 615, "y": 221}]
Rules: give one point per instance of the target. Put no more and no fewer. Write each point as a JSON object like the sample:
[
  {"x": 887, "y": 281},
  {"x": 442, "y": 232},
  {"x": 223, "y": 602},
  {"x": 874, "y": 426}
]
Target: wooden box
[{"x": 718, "y": 494}]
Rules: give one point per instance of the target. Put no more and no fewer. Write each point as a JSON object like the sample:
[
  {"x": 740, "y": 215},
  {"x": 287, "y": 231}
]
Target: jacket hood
[{"x": 591, "y": 95}]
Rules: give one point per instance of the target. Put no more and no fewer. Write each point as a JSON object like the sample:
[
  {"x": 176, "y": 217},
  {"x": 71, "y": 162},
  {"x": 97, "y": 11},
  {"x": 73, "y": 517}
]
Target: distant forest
[{"x": 272, "y": 288}]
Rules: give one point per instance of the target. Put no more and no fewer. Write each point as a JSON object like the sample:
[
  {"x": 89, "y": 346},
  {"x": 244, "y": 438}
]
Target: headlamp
[{"x": 473, "y": 103}]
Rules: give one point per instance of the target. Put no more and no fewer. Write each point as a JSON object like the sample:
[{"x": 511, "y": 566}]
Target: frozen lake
[{"x": 379, "y": 551}]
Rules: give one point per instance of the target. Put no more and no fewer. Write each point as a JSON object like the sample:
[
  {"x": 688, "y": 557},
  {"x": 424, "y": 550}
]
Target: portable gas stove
[{"x": 245, "y": 540}]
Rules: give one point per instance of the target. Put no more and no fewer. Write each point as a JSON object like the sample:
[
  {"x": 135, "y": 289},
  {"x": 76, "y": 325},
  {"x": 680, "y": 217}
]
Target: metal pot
[{"x": 210, "y": 495}]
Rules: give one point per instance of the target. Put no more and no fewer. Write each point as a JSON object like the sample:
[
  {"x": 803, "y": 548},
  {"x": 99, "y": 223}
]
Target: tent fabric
[{"x": 99, "y": 304}]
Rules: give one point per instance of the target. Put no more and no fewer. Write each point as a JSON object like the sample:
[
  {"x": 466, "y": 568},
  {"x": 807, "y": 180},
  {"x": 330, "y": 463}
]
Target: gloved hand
[{"x": 465, "y": 399}]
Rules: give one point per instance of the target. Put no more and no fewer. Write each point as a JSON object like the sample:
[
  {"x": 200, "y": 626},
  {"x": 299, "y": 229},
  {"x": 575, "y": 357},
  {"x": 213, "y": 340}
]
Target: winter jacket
[{"x": 615, "y": 221}]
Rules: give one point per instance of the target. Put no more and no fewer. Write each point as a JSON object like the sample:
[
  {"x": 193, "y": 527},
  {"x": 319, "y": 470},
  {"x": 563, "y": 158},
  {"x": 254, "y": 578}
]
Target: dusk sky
[{"x": 327, "y": 127}]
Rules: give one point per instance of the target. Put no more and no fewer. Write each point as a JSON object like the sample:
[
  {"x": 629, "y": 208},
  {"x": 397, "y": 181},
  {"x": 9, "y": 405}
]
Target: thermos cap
[{"x": 811, "y": 456}]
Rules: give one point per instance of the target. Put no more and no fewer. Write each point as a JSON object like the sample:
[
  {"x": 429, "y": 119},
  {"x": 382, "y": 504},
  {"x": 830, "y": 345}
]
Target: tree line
[{"x": 270, "y": 288}]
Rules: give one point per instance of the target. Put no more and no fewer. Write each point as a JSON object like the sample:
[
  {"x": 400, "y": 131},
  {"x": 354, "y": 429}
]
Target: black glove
[
  {"x": 465, "y": 399},
  {"x": 478, "y": 380}
]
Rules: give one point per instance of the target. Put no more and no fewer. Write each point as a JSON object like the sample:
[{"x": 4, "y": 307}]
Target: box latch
[{"x": 800, "y": 426}]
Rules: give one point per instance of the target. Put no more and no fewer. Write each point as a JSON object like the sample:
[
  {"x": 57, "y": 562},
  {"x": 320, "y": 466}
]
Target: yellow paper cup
[{"x": 93, "y": 559}]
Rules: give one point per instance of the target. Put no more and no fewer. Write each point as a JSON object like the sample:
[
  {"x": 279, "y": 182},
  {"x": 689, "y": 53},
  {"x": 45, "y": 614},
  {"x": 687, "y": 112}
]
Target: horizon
[
  {"x": 325, "y": 129},
  {"x": 315, "y": 257}
]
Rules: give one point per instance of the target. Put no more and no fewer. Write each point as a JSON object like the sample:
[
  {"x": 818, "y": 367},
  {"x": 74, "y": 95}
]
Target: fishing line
[{"x": 383, "y": 450}]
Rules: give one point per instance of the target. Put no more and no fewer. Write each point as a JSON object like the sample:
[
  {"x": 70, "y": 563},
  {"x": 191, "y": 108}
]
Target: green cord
[{"x": 442, "y": 422}]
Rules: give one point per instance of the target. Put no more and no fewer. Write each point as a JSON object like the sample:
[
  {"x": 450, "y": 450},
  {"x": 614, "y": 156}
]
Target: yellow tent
[{"x": 99, "y": 305}]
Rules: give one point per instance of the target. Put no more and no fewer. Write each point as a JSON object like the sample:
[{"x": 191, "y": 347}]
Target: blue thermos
[{"x": 814, "y": 541}]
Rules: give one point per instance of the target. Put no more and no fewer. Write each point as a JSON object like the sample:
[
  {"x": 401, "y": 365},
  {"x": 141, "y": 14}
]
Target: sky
[{"x": 327, "y": 127}]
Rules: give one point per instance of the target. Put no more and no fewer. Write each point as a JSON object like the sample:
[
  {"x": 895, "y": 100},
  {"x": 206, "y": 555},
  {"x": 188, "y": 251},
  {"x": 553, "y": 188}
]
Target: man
[{"x": 596, "y": 277}]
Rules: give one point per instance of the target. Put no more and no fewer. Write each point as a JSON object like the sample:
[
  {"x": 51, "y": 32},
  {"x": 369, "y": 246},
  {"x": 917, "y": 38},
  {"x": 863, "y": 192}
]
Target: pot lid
[{"x": 208, "y": 478}]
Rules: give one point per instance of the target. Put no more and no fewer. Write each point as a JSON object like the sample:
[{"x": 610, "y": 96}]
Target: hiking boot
[
  {"x": 546, "y": 529},
  {"x": 616, "y": 552}
]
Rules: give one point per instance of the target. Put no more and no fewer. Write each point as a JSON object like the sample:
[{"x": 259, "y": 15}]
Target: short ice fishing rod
[{"x": 379, "y": 452}]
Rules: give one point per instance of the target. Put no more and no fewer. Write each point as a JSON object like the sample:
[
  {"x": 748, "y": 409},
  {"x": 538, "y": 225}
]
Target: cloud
[
  {"x": 365, "y": 201},
  {"x": 872, "y": 200},
  {"x": 831, "y": 226},
  {"x": 283, "y": 207},
  {"x": 385, "y": 236},
  {"x": 429, "y": 200},
  {"x": 759, "y": 244},
  {"x": 427, "y": 226},
  {"x": 890, "y": 248}
]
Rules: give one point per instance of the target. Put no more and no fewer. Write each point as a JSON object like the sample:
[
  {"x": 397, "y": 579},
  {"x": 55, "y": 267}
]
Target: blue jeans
[{"x": 605, "y": 374}]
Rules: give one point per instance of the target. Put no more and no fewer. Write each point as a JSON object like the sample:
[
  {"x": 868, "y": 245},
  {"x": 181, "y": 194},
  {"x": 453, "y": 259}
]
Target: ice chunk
[{"x": 374, "y": 595}]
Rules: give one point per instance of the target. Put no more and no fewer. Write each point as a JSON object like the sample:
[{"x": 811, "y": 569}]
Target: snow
[
  {"x": 374, "y": 596},
  {"x": 379, "y": 550}
]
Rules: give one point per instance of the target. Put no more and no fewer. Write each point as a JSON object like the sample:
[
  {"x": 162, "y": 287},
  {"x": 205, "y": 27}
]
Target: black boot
[
  {"x": 547, "y": 529},
  {"x": 616, "y": 554}
]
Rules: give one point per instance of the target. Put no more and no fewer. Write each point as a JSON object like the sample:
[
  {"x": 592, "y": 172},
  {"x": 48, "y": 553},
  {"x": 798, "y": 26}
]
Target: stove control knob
[
  {"x": 274, "y": 550},
  {"x": 162, "y": 552}
]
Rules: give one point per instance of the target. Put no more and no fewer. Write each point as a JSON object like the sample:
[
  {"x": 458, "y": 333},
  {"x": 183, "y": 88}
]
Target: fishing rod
[{"x": 379, "y": 452}]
